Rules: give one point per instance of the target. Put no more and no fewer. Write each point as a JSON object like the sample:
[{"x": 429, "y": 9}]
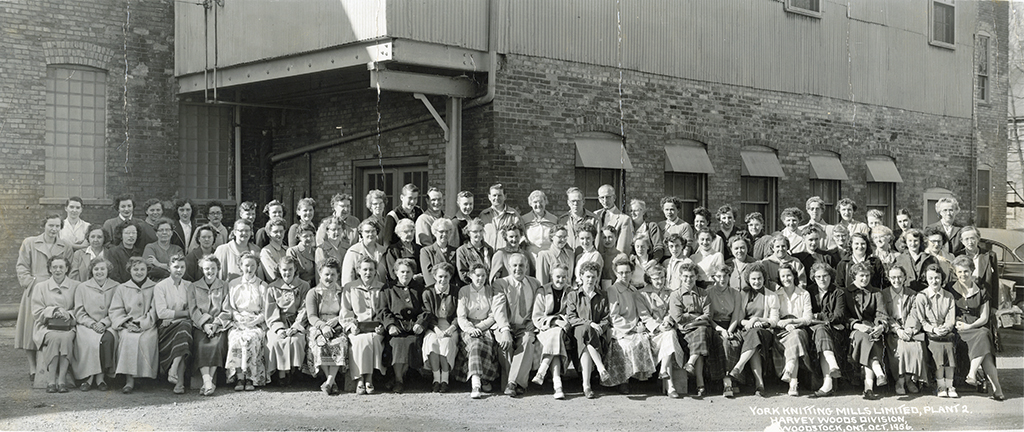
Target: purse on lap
[{"x": 62, "y": 324}]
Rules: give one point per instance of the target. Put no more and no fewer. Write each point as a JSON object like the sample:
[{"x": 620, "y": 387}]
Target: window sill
[{"x": 941, "y": 44}]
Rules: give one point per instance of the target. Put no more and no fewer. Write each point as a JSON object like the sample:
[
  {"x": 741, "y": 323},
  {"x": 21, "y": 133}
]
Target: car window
[{"x": 1004, "y": 255}]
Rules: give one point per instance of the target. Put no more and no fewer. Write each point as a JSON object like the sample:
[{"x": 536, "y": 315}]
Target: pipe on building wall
[{"x": 238, "y": 151}]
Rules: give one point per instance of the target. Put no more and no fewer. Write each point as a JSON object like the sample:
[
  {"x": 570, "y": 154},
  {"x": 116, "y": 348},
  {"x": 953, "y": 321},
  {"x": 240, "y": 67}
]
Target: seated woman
[
  {"x": 629, "y": 349},
  {"x": 401, "y": 313},
  {"x": 643, "y": 261},
  {"x": 205, "y": 304},
  {"x": 95, "y": 341},
  {"x": 904, "y": 341},
  {"x": 170, "y": 302},
  {"x": 119, "y": 255},
  {"x": 440, "y": 251},
  {"x": 271, "y": 254},
  {"x": 934, "y": 311},
  {"x": 726, "y": 310},
  {"x": 204, "y": 245},
  {"x": 914, "y": 260},
  {"x": 53, "y": 301},
  {"x": 706, "y": 257},
  {"x": 860, "y": 252},
  {"x": 690, "y": 314},
  {"x": 867, "y": 318},
  {"x": 829, "y": 326},
  {"x": 244, "y": 316},
  {"x": 440, "y": 305},
  {"x": 159, "y": 253},
  {"x": 973, "y": 335},
  {"x": 360, "y": 305},
  {"x": 549, "y": 318},
  {"x": 328, "y": 346},
  {"x": 760, "y": 314},
  {"x": 286, "y": 322},
  {"x": 405, "y": 247},
  {"x": 304, "y": 253},
  {"x": 780, "y": 255},
  {"x": 133, "y": 315},
  {"x": 741, "y": 258},
  {"x": 586, "y": 310},
  {"x": 477, "y": 309},
  {"x": 587, "y": 250},
  {"x": 368, "y": 247},
  {"x": 229, "y": 254},
  {"x": 669, "y": 353},
  {"x": 81, "y": 261},
  {"x": 336, "y": 239},
  {"x": 794, "y": 316}
]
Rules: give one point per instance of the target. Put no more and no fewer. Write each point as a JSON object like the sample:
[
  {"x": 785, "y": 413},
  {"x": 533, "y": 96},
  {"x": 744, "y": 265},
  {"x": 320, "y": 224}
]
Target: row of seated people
[{"x": 509, "y": 326}]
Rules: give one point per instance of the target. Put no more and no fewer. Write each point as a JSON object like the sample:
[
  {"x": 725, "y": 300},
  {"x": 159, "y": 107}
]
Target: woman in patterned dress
[
  {"x": 170, "y": 301},
  {"x": 668, "y": 353},
  {"x": 972, "y": 314},
  {"x": 477, "y": 309},
  {"x": 328, "y": 346},
  {"x": 244, "y": 316},
  {"x": 629, "y": 351}
]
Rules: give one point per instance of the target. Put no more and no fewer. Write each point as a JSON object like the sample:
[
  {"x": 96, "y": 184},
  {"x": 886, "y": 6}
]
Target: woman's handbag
[{"x": 62, "y": 324}]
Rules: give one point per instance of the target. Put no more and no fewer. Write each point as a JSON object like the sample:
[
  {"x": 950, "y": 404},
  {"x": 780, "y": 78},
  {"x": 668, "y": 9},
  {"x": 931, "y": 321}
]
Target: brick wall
[
  {"x": 991, "y": 131},
  {"x": 89, "y": 33}
]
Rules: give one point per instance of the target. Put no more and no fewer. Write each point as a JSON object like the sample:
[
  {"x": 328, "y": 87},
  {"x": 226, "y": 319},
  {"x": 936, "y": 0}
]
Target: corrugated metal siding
[
  {"x": 461, "y": 23},
  {"x": 756, "y": 43},
  {"x": 254, "y": 30}
]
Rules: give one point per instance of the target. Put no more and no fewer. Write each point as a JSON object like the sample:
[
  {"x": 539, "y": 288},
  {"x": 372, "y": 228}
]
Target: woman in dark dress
[
  {"x": 972, "y": 315},
  {"x": 867, "y": 318},
  {"x": 440, "y": 305},
  {"x": 587, "y": 313},
  {"x": 401, "y": 315},
  {"x": 829, "y": 325}
]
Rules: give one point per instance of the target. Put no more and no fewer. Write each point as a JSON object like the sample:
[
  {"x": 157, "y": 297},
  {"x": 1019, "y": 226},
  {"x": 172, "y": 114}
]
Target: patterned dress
[
  {"x": 286, "y": 308},
  {"x": 629, "y": 351},
  {"x": 244, "y": 315},
  {"x": 323, "y": 305}
]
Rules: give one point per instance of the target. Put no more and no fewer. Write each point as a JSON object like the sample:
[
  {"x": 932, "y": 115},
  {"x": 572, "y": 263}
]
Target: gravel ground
[{"x": 154, "y": 407}]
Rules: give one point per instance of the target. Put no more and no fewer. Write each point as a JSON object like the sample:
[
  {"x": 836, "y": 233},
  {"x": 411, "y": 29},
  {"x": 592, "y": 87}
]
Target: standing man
[
  {"x": 815, "y": 207},
  {"x": 435, "y": 211},
  {"x": 515, "y": 332},
  {"x": 576, "y": 217},
  {"x": 498, "y": 215},
  {"x": 462, "y": 218},
  {"x": 407, "y": 209},
  {"x": 672, "y": 207},
  {"x": 609, "y": 214}
]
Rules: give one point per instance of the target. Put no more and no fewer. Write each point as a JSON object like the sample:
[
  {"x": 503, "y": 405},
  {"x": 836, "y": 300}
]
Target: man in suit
[
  {"x": 515, "y": 332},
  {"x": 577, "y": 216},
  {"x": 609, "y": 214}
]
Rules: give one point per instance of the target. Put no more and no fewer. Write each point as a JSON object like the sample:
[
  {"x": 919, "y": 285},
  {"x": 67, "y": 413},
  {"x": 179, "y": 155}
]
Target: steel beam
[{"x": 411, "y": 82}]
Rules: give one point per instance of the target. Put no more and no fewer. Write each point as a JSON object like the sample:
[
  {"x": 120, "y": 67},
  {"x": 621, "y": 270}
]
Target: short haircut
[
  {"x": 329, "y": 263},
  {"x": 152, "y": 202},
  {"x": 846, "y": 202},
  {"x": 587, "y": 227},
  {"x": 876, "y": 213},
  {"x": 306, "y": 202},
  {"x": 410, "y": 189},
  {"x": 644, "y": 240},
  {"x": 337, "y": 198},
  {"x": 210, "y": 258},
  {"x": 840, "y": 229},
  {"x": 52, "y": 259},
  {"x": 408, "y": 262},
  {"x": 97, "y": 261},
  {"x": 211, "y": 205},
  {"x": 96, "y": 227},
  {"x": 274, "y": 203},
  {"x": 287, "y": 260},
  {"x": 76, "y": 199},
  {"x": 246, "y": 206},
  {"x": 538, "y": 194},
  {"x": 676, "y": 202},
  {"x": 820, "y": 265},
  {"x": 914, "y": 232},
  {"x": 934, "y": 230},
  {"x": 689, "y": 267},
  {"x": 656, "y": 269},
  {"x": 178, "y": 257},
  {"x": 947, "y": 200},
  {"x": 753, "y": 216},
  {"x": 726, "y": 209},
  {"x": 792, "y": 212},
  {"x": 446, "y": 266},
  {"x": 134, "y": 261},
  {"x": 375, "y": 195},
  {"x": 590, "y": 267},
  {"x": 465, "y": 194},
  {"x": 738, "y": 238},
  {"x": 861, "y": 267},
  {"x": 52, "y": 216},
  {"x": 969, "y": 228},
  {"x": 573, "y": 190},
  {"x": 934, "y": 267},
  {"x": 405, "y": 224},
  {"x": 675, "y": 237},
  {"x": 306, "y": 227},
  {"x": 778, "y": 237},
  {"x": 474, "y": 223},
  {"x": 164, "y": 221},
  {"x": 123, "y": 197},
  {"x": 497, "y": 187},
  {"x": 813, "y": 229},
  {"x": 441, "y": 223},
  {"x": 705, "y": 230},
  {"x": 703, "y": 212},
  {"x": 814, "y": 200},
  {"x": 964, "y": 261},
  {"x": 882, "y": 230},
  {"x": 369, "y": 223}
]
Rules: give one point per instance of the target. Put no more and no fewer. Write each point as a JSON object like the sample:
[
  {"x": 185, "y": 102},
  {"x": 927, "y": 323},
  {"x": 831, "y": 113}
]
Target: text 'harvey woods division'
[{"x": 814, "y": 418}]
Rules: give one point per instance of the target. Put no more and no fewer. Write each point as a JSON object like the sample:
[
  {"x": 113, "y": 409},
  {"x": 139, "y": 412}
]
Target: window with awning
[{"x": 600, "y": 159}]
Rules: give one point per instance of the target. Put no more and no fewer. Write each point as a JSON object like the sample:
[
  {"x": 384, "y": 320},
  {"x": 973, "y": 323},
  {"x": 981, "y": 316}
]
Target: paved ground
[{"x": 154, "y": 407}]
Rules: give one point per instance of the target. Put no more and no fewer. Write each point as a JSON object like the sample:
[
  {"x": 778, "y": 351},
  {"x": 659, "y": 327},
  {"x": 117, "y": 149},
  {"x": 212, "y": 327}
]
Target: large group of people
[{"x": 502, "y": 299}]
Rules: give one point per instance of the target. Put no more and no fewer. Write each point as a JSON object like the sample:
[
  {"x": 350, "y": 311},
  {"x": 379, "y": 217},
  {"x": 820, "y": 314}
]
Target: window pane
[
  {"x": 590, "y": 179},
  {"x": 688, "y": 187},
  {"x": 829, "y": 191},
  {"x": 881, "y": 196},
  {"x": 758, "y": 194},
  {"x": 811, "y": 5},
  {"x": 944, "y": 22},
  {"x": 204, "y": 143},
  {"x": 75, "y": 132},
  {"x": 984, "y": 198}
]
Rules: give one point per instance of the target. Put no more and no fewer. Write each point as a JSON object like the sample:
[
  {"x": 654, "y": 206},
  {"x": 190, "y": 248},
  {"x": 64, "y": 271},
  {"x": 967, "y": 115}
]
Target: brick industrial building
[{"x": 754, "y": 103}]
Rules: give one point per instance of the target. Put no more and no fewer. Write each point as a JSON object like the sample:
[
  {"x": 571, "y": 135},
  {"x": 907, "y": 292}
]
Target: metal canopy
[
  {"x": 601, "y": 153},
  {"x": 687, "y": 159},
  {"x": 827, "y": 167},
  {"x": 883, "y": 171},
  {"x": 760, "y": 163}
]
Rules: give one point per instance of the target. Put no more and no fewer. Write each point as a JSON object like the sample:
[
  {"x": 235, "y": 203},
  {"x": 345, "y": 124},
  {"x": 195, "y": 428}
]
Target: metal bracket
[{"x": 433, "y": 112}]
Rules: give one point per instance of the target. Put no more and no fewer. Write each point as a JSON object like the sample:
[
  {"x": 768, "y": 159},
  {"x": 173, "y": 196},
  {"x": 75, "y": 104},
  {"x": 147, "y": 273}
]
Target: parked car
[{"x": 1008, "y": 247}]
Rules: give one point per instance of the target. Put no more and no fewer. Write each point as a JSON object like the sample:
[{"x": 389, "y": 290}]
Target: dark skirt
[
  {"x": 174, "y": 340},
  {"x": 696, "y": 340},
  {"x": 863, "y": 348},
  {"x": 481, "y": 357},
  {"x": 755, "y": 338},
  {"x": 209, "y": 351},
  {"x": 722, "y": 354},
  {"x": 585, "y": 336},
  {"x": 978, "y": 341}
]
